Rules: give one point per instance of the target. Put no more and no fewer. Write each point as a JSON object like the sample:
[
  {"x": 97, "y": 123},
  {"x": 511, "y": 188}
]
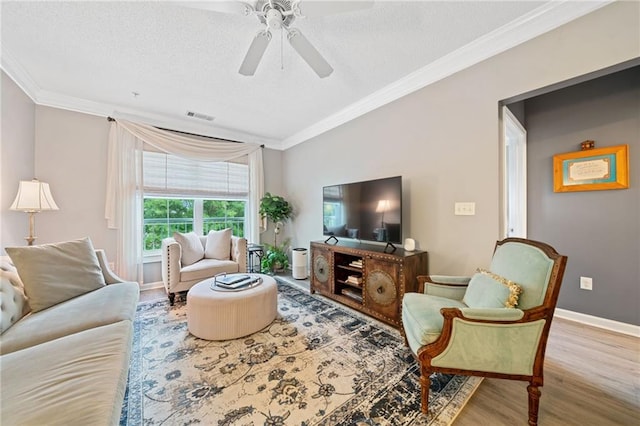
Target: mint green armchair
[{"x": 494, "y": 324}]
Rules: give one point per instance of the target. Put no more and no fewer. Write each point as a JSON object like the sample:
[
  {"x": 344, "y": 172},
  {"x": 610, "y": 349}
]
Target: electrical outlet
[
  {"x": 464, "y": 209},
  {"x": 586, "y": 283}
]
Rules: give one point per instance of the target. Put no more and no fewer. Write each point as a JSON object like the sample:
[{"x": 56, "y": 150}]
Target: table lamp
[{"x": 33, "y": 197}]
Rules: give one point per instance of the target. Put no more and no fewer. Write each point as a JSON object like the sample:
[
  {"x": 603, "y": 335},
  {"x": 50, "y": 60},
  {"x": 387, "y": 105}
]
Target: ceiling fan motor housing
[
  {"x": 274, "y": 19},
  {"x": 274, "y": 13}
]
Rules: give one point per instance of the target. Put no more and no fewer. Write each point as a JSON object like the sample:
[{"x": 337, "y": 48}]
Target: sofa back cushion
[
  {"x": 218, "y": 245},
  {"x": 191, "y": 247},
  {"x": 53, "y": 273}
]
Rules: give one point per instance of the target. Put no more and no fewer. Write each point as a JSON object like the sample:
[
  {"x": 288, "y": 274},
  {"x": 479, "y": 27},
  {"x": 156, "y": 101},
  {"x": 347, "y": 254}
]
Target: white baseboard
[
  {"x": 151, "y": 286},
  {"x": 607, "y": 324}
]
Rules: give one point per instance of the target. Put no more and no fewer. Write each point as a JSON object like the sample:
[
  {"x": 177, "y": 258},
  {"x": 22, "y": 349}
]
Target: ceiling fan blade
[
  {"x": 324, "y": 8},
  {"x": 255, "y": 52},
  {"x": 309, "y": 53},
  {"x": 230, "y": 7}
]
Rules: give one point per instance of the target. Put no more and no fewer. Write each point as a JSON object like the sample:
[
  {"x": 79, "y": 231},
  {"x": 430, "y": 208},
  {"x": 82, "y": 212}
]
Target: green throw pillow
[
  {"x": 488, "y": 290},
  {"x": 53, "y": 273}
]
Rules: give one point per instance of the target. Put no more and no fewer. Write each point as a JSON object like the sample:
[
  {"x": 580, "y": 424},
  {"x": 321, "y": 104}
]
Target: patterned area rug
[{"x": 318, "y": 363}]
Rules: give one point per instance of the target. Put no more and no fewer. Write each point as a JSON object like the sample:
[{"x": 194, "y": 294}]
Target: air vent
[{"x": 199, "y": 116}]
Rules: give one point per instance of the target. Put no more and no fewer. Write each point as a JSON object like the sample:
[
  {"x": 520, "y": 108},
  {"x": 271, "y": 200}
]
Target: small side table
[{"x": 254, "y": 258}]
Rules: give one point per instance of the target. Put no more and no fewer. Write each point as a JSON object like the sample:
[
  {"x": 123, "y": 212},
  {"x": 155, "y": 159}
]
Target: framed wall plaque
[{"x": 591, "y": 170}]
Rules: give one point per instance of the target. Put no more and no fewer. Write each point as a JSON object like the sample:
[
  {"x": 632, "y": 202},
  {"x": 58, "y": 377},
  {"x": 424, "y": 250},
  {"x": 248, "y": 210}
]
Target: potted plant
[
  {"x": 276, "y": 209},
  {"x": 275, "y": 258}
]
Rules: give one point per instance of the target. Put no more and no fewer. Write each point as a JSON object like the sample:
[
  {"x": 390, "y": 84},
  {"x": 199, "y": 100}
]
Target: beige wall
[
  {"x": 444, "y": 139},
  {"x": 16, "y": 160},
  {"x": 71, "y": 151}
]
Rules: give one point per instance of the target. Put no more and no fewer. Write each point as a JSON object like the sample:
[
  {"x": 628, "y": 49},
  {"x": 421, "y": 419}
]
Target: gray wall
[
  {"x": 16, "y": 161},
  {"x": 445, "y": 140},
  {"x": 598, "y": 230}
]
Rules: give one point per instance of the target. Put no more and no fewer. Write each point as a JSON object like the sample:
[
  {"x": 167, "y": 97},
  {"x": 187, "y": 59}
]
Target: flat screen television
[{"x": 370, "y": 210}]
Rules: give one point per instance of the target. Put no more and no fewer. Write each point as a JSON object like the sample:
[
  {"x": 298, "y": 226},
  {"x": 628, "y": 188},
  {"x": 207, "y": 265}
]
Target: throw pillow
[
  {"x": 53, "y": 273},
  {"x": 489, "y": 290},
  {"x": 192, "y": 249},
  {"x": 218, "y": 245}
]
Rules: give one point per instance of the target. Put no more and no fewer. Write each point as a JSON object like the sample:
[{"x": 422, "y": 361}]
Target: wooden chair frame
[{"x": 544, "y": 311}]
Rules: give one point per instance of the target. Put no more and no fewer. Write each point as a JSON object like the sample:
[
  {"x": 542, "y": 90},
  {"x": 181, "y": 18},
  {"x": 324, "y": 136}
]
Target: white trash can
[{"x": 299, "y": 263}]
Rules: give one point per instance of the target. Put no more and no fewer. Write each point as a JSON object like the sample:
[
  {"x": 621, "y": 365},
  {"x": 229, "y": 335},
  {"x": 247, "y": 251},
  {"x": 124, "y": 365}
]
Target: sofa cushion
[
  {"x": 218, "y": 245},
  {"x": 13, "y": 302},
  {"x": 191, "y": 246},
  {"x": 110, "y": 304},
  {"x": 489, "y": 290},
  {"x": 53, "y": 273},
  {"x": 75, "y": 380},
  {"x": 207, "y": 268},
  {"x": 424, "y": 320}
]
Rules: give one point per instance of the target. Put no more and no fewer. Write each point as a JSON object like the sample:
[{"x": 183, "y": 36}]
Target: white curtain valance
[{"x": 188, "y": 146}]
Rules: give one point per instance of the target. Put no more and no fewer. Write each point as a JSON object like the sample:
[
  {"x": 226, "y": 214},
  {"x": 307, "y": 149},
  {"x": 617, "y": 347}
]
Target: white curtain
[
  {"x": 123, "y": 207},
  {"x": 124, "y": 200}
]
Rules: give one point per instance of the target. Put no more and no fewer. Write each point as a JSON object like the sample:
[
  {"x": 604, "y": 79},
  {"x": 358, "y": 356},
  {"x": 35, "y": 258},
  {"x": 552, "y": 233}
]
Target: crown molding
[
  {"x": 71, "y": 103},
  {"x": 18, "y": 74},
  {"x": 539, "y": 21}
]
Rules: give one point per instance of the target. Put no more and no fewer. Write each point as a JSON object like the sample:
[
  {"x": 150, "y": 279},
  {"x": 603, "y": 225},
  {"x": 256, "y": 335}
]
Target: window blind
[
  {"x": 333, "y": 193},
  {"x": 170, "y": 175}
]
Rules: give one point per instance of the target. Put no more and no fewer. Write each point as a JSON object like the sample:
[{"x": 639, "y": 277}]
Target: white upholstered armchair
[{"x": 188, "y": 259}]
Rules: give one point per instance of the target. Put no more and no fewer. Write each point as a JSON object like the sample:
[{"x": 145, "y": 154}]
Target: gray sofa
[{"x": 66, "y": 364}]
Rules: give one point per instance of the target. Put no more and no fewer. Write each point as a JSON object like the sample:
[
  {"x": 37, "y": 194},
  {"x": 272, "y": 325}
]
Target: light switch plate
[
  {"x": 586, "y": 283},
  {"x": 465, "y": 209}
]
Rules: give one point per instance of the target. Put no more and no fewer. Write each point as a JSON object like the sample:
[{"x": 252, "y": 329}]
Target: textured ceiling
[{"x": 92, "y": 56}]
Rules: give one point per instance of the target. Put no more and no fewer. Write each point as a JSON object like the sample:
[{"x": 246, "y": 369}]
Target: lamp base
[{"x": 32, "y": 224}]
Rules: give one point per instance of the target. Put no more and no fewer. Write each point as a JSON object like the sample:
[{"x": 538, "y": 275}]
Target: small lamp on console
[
  {"x": 383, "y": 206},
  {"x": 33, "y": 197}
]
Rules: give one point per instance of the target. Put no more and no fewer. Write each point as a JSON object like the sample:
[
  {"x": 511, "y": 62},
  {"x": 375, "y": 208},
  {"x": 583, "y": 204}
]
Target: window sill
[{"x": 152, "y": 258}]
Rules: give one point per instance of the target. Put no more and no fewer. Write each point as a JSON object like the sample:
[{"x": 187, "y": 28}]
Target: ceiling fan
[{"x": 277, "y": 15}]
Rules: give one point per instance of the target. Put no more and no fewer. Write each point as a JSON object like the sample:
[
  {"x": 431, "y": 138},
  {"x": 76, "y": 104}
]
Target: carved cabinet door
[
  {"x": 381, "y": 288},
  {"x": 321, "y": 270}
]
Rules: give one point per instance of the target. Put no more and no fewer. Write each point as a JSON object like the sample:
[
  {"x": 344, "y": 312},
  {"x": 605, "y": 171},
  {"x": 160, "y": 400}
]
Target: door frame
[{"x": 513, "y": 131}]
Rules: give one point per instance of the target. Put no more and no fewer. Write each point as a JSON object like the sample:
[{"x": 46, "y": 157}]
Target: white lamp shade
[
  {"x": 383, "y": 206},
  {"x": 33, "y": 196}
]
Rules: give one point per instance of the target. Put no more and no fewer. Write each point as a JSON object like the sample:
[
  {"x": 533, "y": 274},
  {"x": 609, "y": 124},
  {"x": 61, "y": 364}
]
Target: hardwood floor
[{"x": 592, "y": 377}]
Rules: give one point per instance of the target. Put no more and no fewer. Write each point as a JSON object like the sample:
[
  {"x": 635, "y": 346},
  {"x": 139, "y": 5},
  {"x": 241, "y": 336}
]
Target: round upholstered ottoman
[{"x": 214, "y": 314}]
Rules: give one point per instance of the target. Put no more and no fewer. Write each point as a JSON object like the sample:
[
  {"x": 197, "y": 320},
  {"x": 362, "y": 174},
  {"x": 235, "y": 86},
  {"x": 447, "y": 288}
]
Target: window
[
  {"x": 333, "y": 206},
  {"x": 183, "y": 196}
]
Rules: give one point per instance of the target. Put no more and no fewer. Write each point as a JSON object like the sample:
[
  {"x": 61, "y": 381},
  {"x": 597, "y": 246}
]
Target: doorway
[{"x": 515, "y": 175}]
